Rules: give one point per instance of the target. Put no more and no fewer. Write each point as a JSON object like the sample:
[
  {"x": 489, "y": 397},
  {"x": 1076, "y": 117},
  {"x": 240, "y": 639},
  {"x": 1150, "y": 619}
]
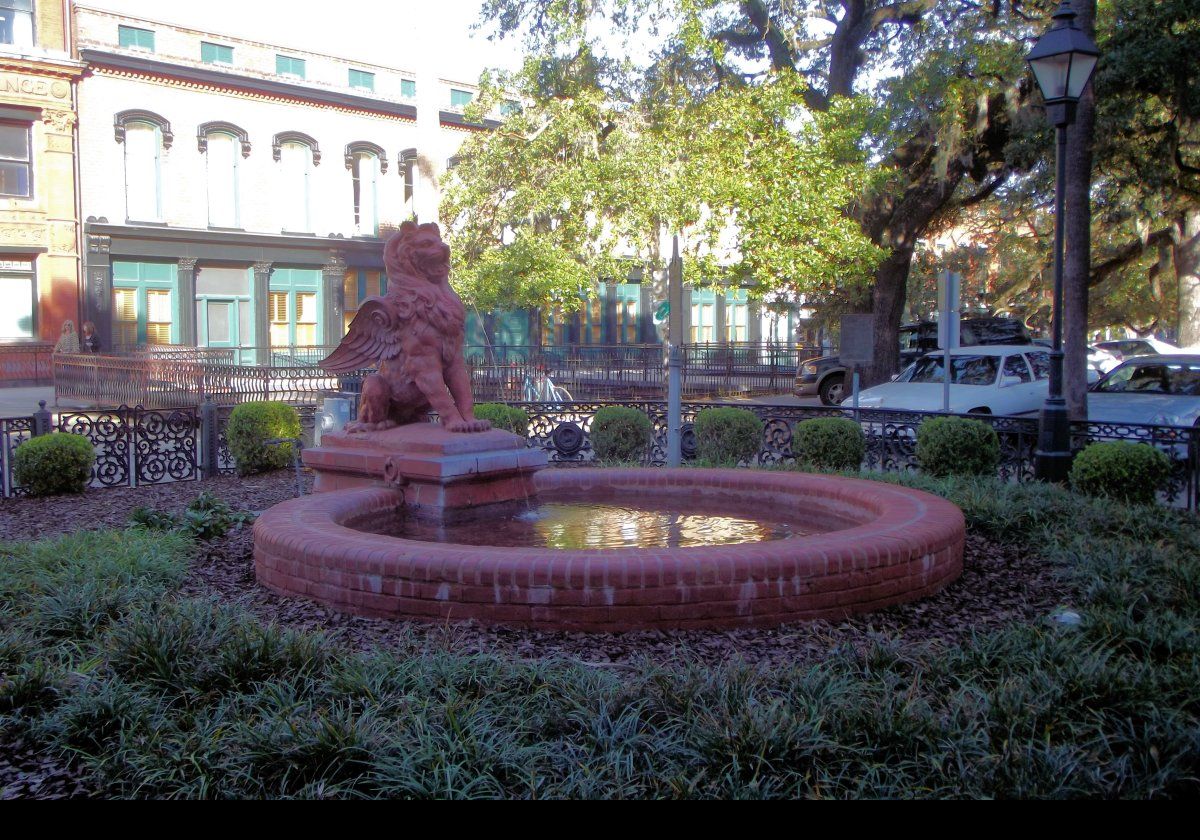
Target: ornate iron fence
[
  {"x": 137, "y": 446},
  {"x": 563, "y": 430},
  {"x": 13, "y": 432}
]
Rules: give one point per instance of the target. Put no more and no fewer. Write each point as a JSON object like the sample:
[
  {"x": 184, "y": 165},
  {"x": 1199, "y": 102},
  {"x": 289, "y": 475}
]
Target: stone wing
[{"x": 374, "y": 335}]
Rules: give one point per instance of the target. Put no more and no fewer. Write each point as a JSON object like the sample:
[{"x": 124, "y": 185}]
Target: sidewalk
[{"x": 22, "y": 402}]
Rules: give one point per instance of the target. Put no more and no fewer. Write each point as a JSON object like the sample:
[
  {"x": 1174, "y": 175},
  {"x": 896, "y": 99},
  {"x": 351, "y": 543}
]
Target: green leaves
[{"x": 578, "y": 186}]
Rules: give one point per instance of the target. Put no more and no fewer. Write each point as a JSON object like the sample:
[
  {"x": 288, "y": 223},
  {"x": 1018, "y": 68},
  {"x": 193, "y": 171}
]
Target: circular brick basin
[{"x": 882, "y": 545}]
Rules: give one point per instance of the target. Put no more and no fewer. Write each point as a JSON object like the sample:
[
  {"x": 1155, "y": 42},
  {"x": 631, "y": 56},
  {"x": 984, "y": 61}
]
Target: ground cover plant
[{"x": 148, "y": 690}]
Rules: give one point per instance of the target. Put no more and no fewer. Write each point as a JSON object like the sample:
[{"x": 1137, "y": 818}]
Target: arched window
[
  {"x": 221, "y": 144},
  {"x": 297, "y": 154},
  {"x": 366, "y": 163},
  {"x": 145, "y": 135},
  {"x": 408, "y": 170}
]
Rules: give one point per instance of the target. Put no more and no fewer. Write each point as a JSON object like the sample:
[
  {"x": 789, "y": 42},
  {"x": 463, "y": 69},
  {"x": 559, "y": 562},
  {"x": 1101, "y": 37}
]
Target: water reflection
[{"x": 564, "y": 523}]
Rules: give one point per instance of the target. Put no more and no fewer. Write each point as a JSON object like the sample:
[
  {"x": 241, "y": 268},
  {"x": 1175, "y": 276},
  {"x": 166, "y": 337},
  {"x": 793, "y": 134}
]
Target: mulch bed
[{"x": 1000, "y": 585}]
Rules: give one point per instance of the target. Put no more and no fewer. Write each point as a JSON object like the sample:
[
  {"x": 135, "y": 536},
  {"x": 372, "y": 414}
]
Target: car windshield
[
  {"x": 967, "y": 370},
  {"x": 1176, "y": 378}
]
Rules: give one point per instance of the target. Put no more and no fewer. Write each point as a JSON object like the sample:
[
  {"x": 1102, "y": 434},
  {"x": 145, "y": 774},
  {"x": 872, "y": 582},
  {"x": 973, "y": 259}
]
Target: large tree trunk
[
  {"x": 1078, "y": 230},
  {"x": 1187, "y": 269},
  {"x": 887, "y": 307}
]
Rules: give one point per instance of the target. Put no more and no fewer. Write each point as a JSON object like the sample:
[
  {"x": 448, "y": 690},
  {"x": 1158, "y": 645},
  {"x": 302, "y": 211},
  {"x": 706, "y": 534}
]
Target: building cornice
[
  {"x": 257, "y": 88},
  {"x": 202, "y": 236},
  {"x": 453, "y": 119},
  {"x": 65, "y": 69}
]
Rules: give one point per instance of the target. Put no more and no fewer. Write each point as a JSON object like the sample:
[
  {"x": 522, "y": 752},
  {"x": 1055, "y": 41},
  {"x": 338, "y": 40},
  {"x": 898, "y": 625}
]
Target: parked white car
[
  {"x": 1163, "y": 390},
  {"x": 997, "y": 379},
  {"x": 1126, "y": 348},
  {"x": 1100, "y": 361}
]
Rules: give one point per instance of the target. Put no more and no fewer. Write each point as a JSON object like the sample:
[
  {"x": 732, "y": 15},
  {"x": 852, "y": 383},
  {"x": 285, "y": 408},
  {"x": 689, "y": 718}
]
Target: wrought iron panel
[
  {"x": 165, "y": 445},
  {"x": 109, "y": 434},
  {"x": 13, "y": 432}
]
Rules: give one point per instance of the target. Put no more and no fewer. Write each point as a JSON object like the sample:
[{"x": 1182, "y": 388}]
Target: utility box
[{"x": 333, "y": 417}]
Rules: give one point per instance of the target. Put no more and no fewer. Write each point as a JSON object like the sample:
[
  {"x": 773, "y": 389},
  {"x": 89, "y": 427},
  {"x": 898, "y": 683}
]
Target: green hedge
[
  {"x": 621, "y": 434},
  {"x": 506, "y": 417},
  {"x": 1134, "y": 472},
  {"x": 52, "y": 464},
  {"x": 250, "y": 425},
  {"x": 728, "y": 436},
  {"x": 957, "y": 446},
  {"x": 829, "y": 443}
]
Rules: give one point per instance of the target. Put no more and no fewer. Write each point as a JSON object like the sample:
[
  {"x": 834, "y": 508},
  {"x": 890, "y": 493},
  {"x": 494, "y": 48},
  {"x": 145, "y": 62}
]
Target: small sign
[
  {"x": 857, "y": 346},
  {"x": 16, "y": 265}
]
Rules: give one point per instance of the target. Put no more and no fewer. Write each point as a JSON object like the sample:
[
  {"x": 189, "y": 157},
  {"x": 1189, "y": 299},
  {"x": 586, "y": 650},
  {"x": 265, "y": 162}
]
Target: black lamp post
[{"x": 1062, "y": 61}]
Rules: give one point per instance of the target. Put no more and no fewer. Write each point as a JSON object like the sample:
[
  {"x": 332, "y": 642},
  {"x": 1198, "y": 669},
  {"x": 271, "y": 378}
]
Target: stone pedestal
[{"x": 445, "y": 477}]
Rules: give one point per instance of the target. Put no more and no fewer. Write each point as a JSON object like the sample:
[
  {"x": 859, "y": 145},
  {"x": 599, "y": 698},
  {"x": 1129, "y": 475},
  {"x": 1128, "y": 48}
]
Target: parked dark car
[{"x": 826, "y": 377}]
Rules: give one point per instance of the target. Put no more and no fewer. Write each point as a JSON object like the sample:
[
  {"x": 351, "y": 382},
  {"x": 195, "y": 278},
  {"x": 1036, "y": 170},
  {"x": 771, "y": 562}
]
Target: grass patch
[{"x": 157, "y": 696}]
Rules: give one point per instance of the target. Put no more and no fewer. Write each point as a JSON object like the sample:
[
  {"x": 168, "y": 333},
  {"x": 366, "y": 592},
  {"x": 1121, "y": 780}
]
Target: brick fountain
[{"x": 874, "y": 544}]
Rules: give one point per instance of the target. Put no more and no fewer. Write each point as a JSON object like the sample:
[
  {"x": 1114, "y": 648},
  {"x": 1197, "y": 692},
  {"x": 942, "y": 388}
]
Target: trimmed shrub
[
  {"x": 253, "y": 423},
  {"x": 957, "y": 446},
  {"x": 829, "y": 443},
  {"x": 52, "y": 464},
  {"x": 621, "y": 434},
  {"x": 1133, "y": 472},
  {"x": 728, "y": 435},
  {"x": 506, "y": 417}
]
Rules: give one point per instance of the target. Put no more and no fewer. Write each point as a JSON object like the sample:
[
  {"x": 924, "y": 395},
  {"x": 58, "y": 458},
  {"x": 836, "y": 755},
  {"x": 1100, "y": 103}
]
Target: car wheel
[{"x": 833, "y": 389}]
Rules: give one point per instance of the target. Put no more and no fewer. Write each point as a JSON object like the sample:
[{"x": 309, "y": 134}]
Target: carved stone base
[{"x": 445, "y": 477}]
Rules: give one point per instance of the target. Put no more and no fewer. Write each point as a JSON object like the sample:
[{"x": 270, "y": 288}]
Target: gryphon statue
[{"x": 415, "y": 334}]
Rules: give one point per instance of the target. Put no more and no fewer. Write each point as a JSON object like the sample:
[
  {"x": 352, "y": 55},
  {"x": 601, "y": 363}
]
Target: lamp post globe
[{"x": 1062, "y": 62}]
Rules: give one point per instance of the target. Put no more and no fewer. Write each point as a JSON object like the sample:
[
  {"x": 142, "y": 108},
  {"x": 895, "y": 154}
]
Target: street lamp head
[{"x": 1063, "y": 59}]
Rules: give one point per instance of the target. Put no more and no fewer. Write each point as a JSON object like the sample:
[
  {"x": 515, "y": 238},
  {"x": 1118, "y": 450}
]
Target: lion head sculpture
[{"x": 417, "y": 251}]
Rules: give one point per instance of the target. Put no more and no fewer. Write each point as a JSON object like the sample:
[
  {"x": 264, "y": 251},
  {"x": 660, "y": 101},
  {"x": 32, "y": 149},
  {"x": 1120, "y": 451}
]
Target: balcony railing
[{"x": 168, "y": 375}]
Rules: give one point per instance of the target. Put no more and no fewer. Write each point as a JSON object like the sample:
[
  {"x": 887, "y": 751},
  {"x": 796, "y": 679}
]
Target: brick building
[
  {"x": 39, "y": 222},
  {"x": 235, "y": 192}
]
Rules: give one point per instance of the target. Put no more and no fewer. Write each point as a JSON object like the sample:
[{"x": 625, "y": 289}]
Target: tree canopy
[{"x": 579, "y": 185}]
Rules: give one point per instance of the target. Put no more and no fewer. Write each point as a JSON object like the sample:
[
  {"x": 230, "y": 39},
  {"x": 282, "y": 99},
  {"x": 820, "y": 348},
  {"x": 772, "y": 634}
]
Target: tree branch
[{"x": 1128, "y": 253}]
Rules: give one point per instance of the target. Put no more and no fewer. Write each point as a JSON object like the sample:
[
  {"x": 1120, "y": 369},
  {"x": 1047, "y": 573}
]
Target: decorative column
[
  {"x": 720, "y": 325},
  {"x": 333, "y": 293},
  {"x": 646, "y": 334},
  {"x": 754, "y": 322},
  {"x": 187, "y": 300},
  {"x": 608, "y": 331},
  {"x": 262, "y": 321},
  {"x": 97, "y": 306}
]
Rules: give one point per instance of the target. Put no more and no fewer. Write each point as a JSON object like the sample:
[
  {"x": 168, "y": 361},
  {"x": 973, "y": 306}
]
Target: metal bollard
[{"x": 299, "y": 444}]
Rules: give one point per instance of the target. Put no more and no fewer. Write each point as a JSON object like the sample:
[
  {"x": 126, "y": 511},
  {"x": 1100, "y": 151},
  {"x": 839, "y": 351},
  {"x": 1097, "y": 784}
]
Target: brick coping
[{"x": 893, "y": 544}]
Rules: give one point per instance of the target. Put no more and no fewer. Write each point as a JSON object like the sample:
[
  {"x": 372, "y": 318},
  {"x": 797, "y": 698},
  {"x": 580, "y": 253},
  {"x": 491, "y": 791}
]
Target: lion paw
[
  {"x": 361, "y": 426},
  {"x": 469, "y": 426}
]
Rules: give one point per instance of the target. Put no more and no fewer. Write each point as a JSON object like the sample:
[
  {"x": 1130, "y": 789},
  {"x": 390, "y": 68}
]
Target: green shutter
[
  {"x": 460, "y": 98},
  {"x": 215, "y": 53},
  {"x": 362, "y": 79},
  {"x": 131, "y": 36},
  {"x": 287, "y": 66},
  {"x": 408, "y": 88}
]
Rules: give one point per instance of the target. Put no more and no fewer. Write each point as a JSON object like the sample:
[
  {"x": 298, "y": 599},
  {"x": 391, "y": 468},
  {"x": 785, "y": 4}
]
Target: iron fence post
[
  {"x": 42, "y": 420},
  {"x": 209, "y": 466}
]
